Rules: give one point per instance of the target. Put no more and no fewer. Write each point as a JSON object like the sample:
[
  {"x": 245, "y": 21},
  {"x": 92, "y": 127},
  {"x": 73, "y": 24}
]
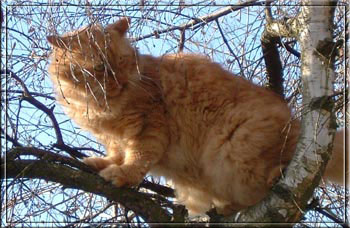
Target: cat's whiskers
[
  {"x": 60, "y": 85},
  {"x": 107, "y": 40},
  {"x": 137, "y": 62},
  {"x": 105, "y": 75},
  {"x": 105, "y": 59},
  {"x": 112, "y": 71},
  {"x": 88, "y": 87},
  {"x": 71, "y": 67},
  {"x": 103, "y": 88}
]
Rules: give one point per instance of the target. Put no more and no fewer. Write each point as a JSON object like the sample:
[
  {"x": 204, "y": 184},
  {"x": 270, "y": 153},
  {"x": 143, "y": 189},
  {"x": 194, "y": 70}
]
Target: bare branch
[
  {"x": 139, "y": 202},
  {"x": 230, "y": 49},
  {"x": 182, "y": 40},
  {"x": 271, "y": 56},
  {"x": 162, "y": 190},
  {"x": 9, "y": 138},
  {"x": 29, "y": 98},
  {"x": 204, "y": 19},
  {"x": 15, "y": 153},
  {"x": 290, "y": 49}
]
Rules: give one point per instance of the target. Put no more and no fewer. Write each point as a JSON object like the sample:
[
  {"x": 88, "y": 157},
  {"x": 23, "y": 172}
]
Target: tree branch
[
  {"x": 9, "y": 138},
  {"x": 315, "y": 205},
  {"x": 290, "y": 49},
  {"x": 49, "y": 112},
  {"x": 202, "y": 20},
  {"x": 329, "y": 215},
  {"x": 229, "y": 48},
  {"x": 49, "y": 156},
  {"x": 271, "y": 55},
  {"x": 47, "y": 169},
  {"x": 162, "y": 190},
  {"x": 182, "y": 40}
]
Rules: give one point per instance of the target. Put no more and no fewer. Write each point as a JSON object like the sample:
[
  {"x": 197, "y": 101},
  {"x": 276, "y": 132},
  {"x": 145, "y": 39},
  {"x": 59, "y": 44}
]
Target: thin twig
[
  {"x": 31, "y": 93},
  {"x": 47, "y": 156},
  {"x": 29, "y": 98},
  {"x": 290, "y": 49},
  {"x": 9, "y": 138},
  {"x": 229, "y": 48},
  {"x": 202, "y": 20}
]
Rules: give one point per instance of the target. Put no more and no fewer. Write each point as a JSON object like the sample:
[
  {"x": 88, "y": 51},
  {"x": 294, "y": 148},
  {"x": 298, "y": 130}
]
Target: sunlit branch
[
  {"x": 204, "y": 19},
  {"x": 138, "y": 202}
]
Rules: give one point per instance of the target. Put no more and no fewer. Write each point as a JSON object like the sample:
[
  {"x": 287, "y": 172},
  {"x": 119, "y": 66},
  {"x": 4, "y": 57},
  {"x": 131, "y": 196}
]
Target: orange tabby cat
[{"x": 219, "y": 138}]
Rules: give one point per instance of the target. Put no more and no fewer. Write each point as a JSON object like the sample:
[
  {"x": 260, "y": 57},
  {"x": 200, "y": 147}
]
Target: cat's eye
[{"x": 100, "y": 67}]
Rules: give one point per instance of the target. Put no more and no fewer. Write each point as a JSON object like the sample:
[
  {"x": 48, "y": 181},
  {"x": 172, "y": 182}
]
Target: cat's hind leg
[{"x": 197, "y": 201}]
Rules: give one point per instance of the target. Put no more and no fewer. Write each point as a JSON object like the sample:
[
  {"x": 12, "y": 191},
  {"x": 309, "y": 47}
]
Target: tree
[{"x": 44, "y": 179}]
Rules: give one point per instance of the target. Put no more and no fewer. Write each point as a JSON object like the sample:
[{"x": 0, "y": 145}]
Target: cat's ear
[
  {"x": 60, "y": 42},
  {"x": 121, "y": 25}
]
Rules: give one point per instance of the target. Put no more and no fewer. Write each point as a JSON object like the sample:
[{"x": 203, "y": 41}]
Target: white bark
[{"x": 317, "y": 78}]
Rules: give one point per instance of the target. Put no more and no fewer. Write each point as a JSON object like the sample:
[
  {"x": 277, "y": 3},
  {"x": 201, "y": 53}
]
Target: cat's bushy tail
[{"x": 336, "y": 165}]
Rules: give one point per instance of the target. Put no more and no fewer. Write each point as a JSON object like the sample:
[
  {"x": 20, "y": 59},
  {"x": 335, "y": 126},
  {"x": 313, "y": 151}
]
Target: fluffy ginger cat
[{"x": 220, "y": 139}]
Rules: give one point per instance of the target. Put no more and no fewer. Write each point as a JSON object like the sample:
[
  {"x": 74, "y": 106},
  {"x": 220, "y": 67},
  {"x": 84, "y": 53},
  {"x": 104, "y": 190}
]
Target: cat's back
[
  {"x": 195, "y": 84},
  {"x": 209, "y": 107}
]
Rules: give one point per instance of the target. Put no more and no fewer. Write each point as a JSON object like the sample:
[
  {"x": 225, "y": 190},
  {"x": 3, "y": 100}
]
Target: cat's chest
[
  {"x": 178, "y": 162},
  {"x": 182, "y": 158}
]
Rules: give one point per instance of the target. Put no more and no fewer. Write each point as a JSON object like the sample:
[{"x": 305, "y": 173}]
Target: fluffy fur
[{"x": 219, "y": 138}]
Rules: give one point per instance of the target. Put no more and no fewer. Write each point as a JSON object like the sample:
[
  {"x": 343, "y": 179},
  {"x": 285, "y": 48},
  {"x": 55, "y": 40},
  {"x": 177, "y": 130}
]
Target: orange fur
[{"x": 219, "y": 138}]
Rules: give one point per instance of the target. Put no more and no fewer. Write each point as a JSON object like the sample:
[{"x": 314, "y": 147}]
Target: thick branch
[
  {"x": 286, "y": 27},
  {"x": 273, "y": 63},
  {"x": 182, "y": 41},
  {"x": 274, "y": 30},
  {"x": 138, "y": 202},
  {"x": 271, "y": 55},
  {"x": 49, "y": 156}
]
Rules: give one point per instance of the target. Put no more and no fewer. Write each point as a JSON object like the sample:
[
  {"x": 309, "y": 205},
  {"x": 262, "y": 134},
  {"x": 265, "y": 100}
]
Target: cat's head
[{"x": 95, "y": 59}]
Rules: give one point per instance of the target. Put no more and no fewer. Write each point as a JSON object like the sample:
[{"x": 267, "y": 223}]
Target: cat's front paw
[
  {"x": 121, "y": 175},
  {"x": 98, "y": 163}
]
